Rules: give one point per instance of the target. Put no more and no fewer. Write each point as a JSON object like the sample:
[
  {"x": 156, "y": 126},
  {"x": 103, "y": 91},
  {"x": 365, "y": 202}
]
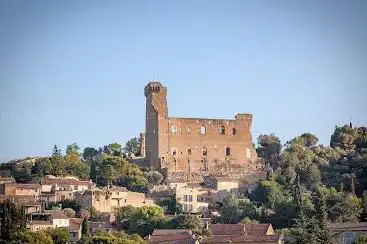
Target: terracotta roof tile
[
  {"x": 57, "y": 214},
  {"x": 165, "y": 232},
  {"x": 172, "y": 239},
  {"x": 75, "y": 222},
  {"x": 242, "y": 239},
  {"x": 256, "y": 229},
  {"x": 228, "y": 229}
]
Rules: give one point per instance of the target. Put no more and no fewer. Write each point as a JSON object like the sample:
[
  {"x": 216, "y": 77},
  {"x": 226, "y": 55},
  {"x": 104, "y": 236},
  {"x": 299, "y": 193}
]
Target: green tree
[
  {"x": 89, "y": 153},
  {"x": 230, "y": 212},
  {"x": 56, "y": 151},
  {"x": 39, "y": 237},
  {"x": 93, "y": 171},
  {"x": 362, "y": 239},
  {"x": 69, "y": 212},
  {"x": 344, "y": 137},
  {"x": 59, "y": 235},
  {"x": 188, "y": 221},
  {"x": 85, "y": 232},
  {"x": 117, "y": 171},
  {"x": 269, "y": 147},
  {"x": 140, "y": 220},
  {"x": 132, "y": 147},
  {"x": 73, "y": 149},
  {"x": 323, "y": 234},
  {"x": 13, "y": 221}
]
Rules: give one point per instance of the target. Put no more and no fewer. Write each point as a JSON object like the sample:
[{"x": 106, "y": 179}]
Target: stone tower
[{"x": 156, "y": 124}]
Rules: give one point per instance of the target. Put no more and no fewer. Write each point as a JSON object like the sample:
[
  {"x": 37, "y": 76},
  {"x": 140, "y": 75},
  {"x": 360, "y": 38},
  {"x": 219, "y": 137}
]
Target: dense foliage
[{"x": 307, "y": 184}]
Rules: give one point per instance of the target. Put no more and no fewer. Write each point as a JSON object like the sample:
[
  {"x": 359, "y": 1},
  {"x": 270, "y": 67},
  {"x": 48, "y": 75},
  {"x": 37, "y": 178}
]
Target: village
[{"x": 206, "y": 175}]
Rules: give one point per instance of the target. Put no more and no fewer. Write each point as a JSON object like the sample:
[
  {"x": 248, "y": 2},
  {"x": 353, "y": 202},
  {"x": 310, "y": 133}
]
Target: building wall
[
  {"x": 178, "y": 144},
  {"x": 40, "y": 225},
  {"x": 192, "y": 199},
  {"x": 60, "y": 222},
  {"x": 107, "y": 202}
]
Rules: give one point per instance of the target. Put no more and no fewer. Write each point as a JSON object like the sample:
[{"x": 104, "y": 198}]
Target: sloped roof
[
  {"x": 75, "y": 222},
  {"x": 20, "y": 199},
  {"x": 172, "y": 239},
  {"x": 228, "y": 229},
  {"x": 339, "y": 227},
  {"x": 257, "y": 229},
  {"x": 242, "y": 239},
  {"x": 165, "y": 232},
  {"x": 64, "y": 181},
  {"x": 28, "y": 186},
  {"x": 56, "y": 214}
]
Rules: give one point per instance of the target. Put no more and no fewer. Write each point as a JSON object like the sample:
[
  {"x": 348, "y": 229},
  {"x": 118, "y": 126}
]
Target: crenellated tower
[{"x": 156, "y": 124}]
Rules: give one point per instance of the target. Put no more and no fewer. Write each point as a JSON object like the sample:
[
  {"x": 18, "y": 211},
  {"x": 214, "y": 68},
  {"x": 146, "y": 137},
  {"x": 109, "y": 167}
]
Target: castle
[{"x": 195, "y": 146}]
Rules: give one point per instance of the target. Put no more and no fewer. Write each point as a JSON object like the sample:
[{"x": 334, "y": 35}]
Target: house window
[
  {"x": 190, "y": 207},
  {"x": 189, "y": 151},
  {"x": 222, "y": 130},
  {"x": 234, "y": 131},
  {"x": 190, "y": 198},
  {"x": 202, "y": 130},
  {"x": 205, "y": 152},
  {"x": 228, "y": 151},
  {"x": 173, "y": 129}
]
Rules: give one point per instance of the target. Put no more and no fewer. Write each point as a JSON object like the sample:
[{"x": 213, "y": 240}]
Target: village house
[
  {"x": 243, "y": 233},
  {"x": 107, "y": 200},
  {"x": 29, "y": 203},
  {"x": 101, "y": 226},
  {"x": 55, "y": 189},
  {"x": 347, "y": 233},
  {"x": 17, "y": 189},
  {"x": 55, "y": 219},
  {"x": 169, "y": 236},
  {"x": 193, "y": 198},
  {"x": 197, "y": 197},
  {"x": 3, "y": 181}
]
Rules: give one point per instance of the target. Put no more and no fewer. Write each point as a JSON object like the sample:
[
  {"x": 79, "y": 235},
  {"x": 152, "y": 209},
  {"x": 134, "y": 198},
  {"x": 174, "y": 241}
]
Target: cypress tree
[
  {"x": 85, "y": 231},
  {"x": 323, "y": 233}
]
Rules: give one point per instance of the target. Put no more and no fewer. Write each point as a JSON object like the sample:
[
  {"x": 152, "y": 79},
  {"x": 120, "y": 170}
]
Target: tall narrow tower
[{"x": 156, "y": 123}]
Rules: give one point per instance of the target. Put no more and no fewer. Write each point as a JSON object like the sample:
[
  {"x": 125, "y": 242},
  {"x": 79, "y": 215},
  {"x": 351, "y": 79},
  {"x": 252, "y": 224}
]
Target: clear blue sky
[{"x": 74, "y": 71}]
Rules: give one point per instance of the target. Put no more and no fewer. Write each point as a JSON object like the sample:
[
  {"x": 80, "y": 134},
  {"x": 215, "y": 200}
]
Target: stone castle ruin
[{"x": 192, "y": 148}]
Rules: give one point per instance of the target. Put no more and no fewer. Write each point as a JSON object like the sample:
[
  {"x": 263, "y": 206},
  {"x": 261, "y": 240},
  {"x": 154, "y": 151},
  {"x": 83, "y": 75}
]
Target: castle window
[
  {"x": 173, "y": 129},
  {"x": 234, "y": 131},
  {"x": 205, "y": 151},
  {"x": 189, "y": 151},
  {"x": 228, "y": 151},
  {"x": 202, "y": 130},
  {"x": 174, "y": 151},
  {"x": 222, "y": 130},
  {"x": 189, "y": 129},
  {"x": 248, "y": 153}
]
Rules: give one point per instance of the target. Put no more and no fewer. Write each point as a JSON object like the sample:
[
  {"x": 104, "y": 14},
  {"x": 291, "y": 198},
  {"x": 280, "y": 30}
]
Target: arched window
[
  {"x": 173, "y": 129},
  {"x": 228, "y": 151},
  {"x": 222, "y": 130},
  {"x": 234, "y": 131},
  {"x": 205, "y": 151},
  {"x": 202, "y": 130}
]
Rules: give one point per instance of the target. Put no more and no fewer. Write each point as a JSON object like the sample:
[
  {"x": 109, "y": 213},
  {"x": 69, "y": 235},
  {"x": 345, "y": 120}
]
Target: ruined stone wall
[
  {"x": 195, "y": 145},
  {"x": 200, "y": 144}
]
